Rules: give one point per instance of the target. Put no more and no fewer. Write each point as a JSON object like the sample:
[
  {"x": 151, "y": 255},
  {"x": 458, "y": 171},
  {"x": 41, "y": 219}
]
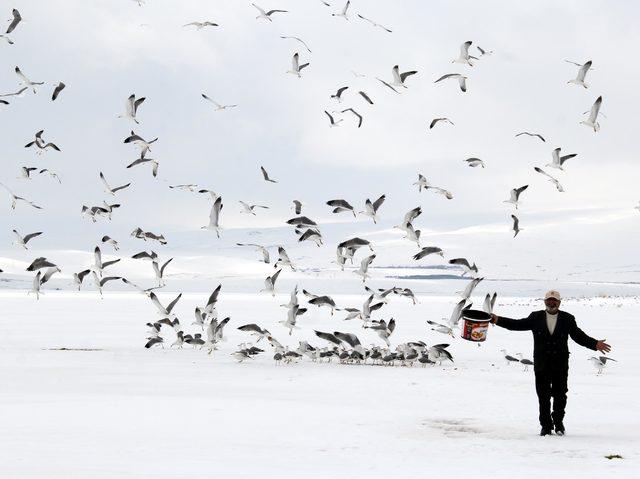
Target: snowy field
[{"x": 119, "y": 410}]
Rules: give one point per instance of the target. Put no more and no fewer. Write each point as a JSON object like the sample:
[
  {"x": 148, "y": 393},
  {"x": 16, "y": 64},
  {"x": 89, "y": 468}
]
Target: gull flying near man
[{"x": 218, "y": 106}]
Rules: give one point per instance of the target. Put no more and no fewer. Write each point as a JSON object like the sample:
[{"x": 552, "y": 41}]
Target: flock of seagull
[{"x": 342, "y": 346}]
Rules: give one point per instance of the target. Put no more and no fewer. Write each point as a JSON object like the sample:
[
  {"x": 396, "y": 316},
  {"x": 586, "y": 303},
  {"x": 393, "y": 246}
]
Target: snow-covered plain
[{"x": 120, "y": 410}]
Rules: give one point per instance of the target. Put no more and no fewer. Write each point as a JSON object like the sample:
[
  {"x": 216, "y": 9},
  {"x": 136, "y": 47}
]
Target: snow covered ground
[{"x": 119, "y": 410}]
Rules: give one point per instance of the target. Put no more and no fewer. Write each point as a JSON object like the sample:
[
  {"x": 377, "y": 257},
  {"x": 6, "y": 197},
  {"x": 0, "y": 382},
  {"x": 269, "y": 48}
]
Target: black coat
[{"x": 550, "y": 350}]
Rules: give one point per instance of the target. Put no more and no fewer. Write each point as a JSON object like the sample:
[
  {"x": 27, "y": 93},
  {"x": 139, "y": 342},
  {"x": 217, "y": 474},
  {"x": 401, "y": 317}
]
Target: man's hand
[
  {"x": 494, "y": 318},
  {"x": 603, "y": 347}
]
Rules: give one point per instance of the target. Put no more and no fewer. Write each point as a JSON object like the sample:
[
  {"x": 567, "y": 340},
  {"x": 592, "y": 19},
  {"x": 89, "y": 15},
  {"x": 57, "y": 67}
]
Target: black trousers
[{"x": 551, "y": 382}]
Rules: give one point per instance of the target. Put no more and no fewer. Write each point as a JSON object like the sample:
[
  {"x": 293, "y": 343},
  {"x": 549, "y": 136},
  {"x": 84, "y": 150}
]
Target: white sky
[{"x": 103, "y": 54}]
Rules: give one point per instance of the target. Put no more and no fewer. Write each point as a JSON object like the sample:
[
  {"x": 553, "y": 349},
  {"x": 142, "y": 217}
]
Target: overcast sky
[{"x": 106, "y": 50}]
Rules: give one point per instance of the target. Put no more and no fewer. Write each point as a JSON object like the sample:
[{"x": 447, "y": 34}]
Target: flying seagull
[
  {"x": 371, "y": 209},
  {"x": 14, "y": 21},
  {"x": 270, "y": 283},
  {"x": 131, "y": 108},
  {"x": 23, "y": 240},
  {"x": 582, "y": 73},
  {"x": 374, "y": 24},
  {"x": 265, "y": 175},
  {"x": 218, "y": 106},
  {"x": 484, "y": 52},
  {"x": 332, "y": 121},
  {"x": 515, "y": 195},
  {"x": 366, "y": 97},
  {"x": 462, "y": 80},
  {"x": 201, "y": 25},
  {"x": 26, "y": 82},
  {"x": 214, "y": 217},
  {"x": 56, "y": 91},
  {"x": 297, "y": 206},
  {"x": 516, "y": 223},
  {"x": 144, "y": 145},
  {"x": 464, "y": 56},
  {"x": 111, "y": 241},
  {"x": 473, "y": 162},
  {"x": 299, "y": 40},
  {"x": 39, "y": 143},
  {"x": 343, "y": 12},
  {"x": 296, "y": 67},
  {"x": 435, "y": 121},
  {"x": 399, "y": 78},
  {"x": 264, "y": 251},
  {"x": 364, "y": 267},
  {"x": 159, "y": 270},
  {"x": 551, "y": 178},
  {"x": 162, "y": 310},
  {"x": 266, "y": 15},
  {"x": 247, "y": 208},
  {"x": 466, "y": 266},
  {"x": 51, "y": 174},
  {"x": 537, "y": 135},
  {"x": 338, "y": 94},
  {"x": 592, "y": 121},
  {"x": 423, "y": 183},
  {"x": 142, "y": 160},
  {"x": 558, "y": 160},
  {"x": 600, "y": 362},
  {"x": 15, "y": 198},
  {"x": 109, "y": 189},
  {"x": 10, "y": 42},
  {"x": 340, "y": 206},
  {"x": 427, "y": 250},
  {"x": 356, "y": 114}
]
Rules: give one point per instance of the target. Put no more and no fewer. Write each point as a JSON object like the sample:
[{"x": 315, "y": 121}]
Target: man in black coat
[{"x": 551, "y": 329}]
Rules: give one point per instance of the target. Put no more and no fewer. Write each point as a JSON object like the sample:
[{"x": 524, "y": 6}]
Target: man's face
[{"x": 552, "y": 305}]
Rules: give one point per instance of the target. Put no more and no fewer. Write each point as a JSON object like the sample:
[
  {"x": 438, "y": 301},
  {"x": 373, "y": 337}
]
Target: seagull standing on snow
[
  {"x": 582, "y": 73},
  {"x": 515, "y": 195},
  {"x": 592, "y": 121}
]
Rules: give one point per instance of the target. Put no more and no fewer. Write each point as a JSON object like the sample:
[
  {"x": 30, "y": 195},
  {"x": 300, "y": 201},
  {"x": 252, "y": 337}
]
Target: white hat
[{"x": 552, "y": 293}]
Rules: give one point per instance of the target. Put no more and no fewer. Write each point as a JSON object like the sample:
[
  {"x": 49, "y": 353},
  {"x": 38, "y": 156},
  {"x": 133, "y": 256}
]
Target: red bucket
[{"x": 475, "y": 325}]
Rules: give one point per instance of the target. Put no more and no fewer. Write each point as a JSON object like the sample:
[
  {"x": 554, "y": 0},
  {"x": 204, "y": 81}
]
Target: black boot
[
  {"x": 559, "y": 428},
  {"x": 545, "y": 431}
]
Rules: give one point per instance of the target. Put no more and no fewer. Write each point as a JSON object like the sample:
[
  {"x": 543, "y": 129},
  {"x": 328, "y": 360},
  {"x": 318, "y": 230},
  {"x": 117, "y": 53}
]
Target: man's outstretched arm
[
  {"x": 524, "y": 324},
  {"x": 583, "y": 339}
]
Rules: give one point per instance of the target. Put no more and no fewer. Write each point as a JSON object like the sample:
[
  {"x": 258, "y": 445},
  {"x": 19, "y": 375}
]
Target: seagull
[
  {"x": 435, "y": 121},
  {"x": 374, "y": 24},
  {"x": 600, "y": 362},
  {"x": 427, "y": 250},
  {"x": 51, "y": 174},
  {"x": 296, "y": 67},
  {"x": 39, "y": 143},
  {"x": 201, "y": 25},
  {"x": 582, "y": 73},
  {"x": 399, "y": 78},
  {"x": 387, "y": 85},
  {"x": 441, "y": 328},
  {"x": 320, "y": 301},
  {"x": 283, "y": 259},
  {"x": 301, "y": 221},
  {"x": 10, "y": 42},
  {"x": 40, "y": 263},
  {"x": 516, "y": 223},
  {"x": 131, "y": 108},
  {"x": 186, "y": 187},
  {"x": 297, "y": 206},
  {"x": 484, "y": 52},
  {"x": 142, "y": 160},
  {"x": 510, "y": 359},
  {"x": 265, "y": 175},
  {"x": 35, "y": 288},
  {"x": 218, "y": 106},
  {"x": 162, "y": 310},
  {"x": 144, "y": 255},
  {"x": 210, "y": 307},
  {"x": 340, "y": 206},
  {"x": 537, "y": 135},
  {"x": 111, "y": 241},
  {"x": 144, "y": 145},
  {"x": 332, "y": 122},
  {"x": 311, "y": 235},
  {"x": 270, "y": 283},
  {"x": 299, "y": 40},
  {"x": 423, "y": 183},
  {"x": 247, "y": 208},
  {"x": 343, "y": 13},
  {"x": 79, "y": 277},
  {"x": 57, "y": 89},
  {"x": 558, "y": 160},
  {"x": 139, "y": 233},
  {"x": 383, "y": 329},
  {"x": 371, "y": 209},
  {"x": 159, "y": 271},
  {"x": 264, "y": 251},
  {"x": 364, "y": 267},
  {"x": 14, "y": 21},
  {"x": 526, "y": 362},
  {"x": 101, "y": 282},
  {"x": 214, "y": 217},
  {"x": 266, "y": 15},
  {"x": 26, "y": 82},
  {"x": 409, "y": 217},
  {"x": 551, "y": 178},
  {"x": 109, "y": 189},
  {"x": 15, "y": 198},
  {"x": 292, "y": 315},
  {"x": 338, "y": 94},
  {"x": 255, "y": 330},
  {"x": 457, "y": 312},
  {"x": 356, "y": 114},
  {"x": 489, "y": 303},
  {"x": 515, "y": 195},
  {"x": 23, "y": 240},
  {"x": 366, "y": 97},
  {"x": 592, "y": 121},
  {"x": 464, "y": 56},
  {"x": 19, "y": 93},
  {"x": 462, "y": 80},
  {"x": 471, "y": 285},
  {"x": 473, "y": 162},
  {"x": 25, "y": 172},
  {"x": 98, "y": 264},
  {"x": 154, "y": 341},
  {"x": 464, "y": 263}
]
